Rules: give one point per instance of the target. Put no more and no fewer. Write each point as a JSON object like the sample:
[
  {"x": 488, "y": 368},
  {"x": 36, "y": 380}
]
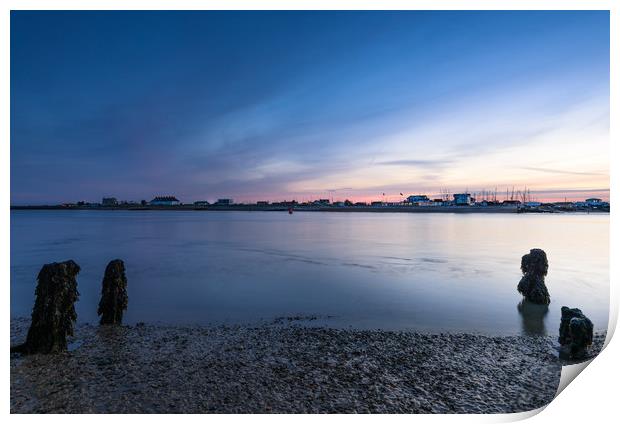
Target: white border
[{"x": 592, "y": 398}]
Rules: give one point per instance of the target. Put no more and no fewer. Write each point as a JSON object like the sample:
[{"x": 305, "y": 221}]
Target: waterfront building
[
  {"x": 262, "y": 203},
  {"x": 485, "y": 203},
  {"x": 109, "y": 201},
  {"x": 564, "y": 205},
  {"x": 463, "y": 199},
  {"x": 594, "y": 201},
  {"x": 224, "y": 202},
  {"x": 418, "y": 199},
  {"x": 165, "y": 201},
  {"x": 201, "y": 203}
]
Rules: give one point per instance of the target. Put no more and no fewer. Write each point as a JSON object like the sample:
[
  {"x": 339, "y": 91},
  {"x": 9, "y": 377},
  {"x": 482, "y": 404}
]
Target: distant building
[
  {"x": 224, "y": 202},
  {"x": 511, "y": 203},
  {"x": 201, "y": 203},
  {"x": 533, "y": 204},
  {"x": 164, "y": 201},
  {"x": 486, "y": 202},
  {"x": 418, "y": 198},
  {"x": 109, "y": 201},
  {"x": 463, "y": 199},
  {"x": 594, "y": 201},
  {"x": 564, "y": 205},
  {"x": 324, "y": 201},
  {"x": 376, "y": 203},
  {"x": 361, "y": 204}
]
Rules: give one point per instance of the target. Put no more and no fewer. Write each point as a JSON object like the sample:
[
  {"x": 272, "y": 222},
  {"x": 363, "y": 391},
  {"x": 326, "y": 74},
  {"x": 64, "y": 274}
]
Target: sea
[{"x": 391, "y": 271}]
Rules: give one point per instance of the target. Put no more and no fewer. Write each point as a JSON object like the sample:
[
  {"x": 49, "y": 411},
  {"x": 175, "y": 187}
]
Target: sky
[{"x": 300, "y": 105}]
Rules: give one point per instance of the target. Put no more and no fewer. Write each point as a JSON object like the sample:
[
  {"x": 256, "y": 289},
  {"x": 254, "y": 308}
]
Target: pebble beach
[{"x": 283, "y": 367}]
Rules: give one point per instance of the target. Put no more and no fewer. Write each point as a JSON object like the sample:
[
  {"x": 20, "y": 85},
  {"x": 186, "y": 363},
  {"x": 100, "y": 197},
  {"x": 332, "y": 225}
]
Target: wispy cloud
[
  {"x": 570, "y": 190},
  {"x": 561, "y": 171},
  {"x": 416, "y": 162}
]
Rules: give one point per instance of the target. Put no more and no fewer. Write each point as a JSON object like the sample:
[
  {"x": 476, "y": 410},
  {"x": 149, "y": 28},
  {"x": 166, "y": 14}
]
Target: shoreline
[
  {"x": 343, "y": 209},
  {"x": 284, "y": 367},
  {"x": 254, "y": 208}
]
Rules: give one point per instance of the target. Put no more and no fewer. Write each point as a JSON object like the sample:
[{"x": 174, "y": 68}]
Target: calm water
[{"x": 428, "y": 272}]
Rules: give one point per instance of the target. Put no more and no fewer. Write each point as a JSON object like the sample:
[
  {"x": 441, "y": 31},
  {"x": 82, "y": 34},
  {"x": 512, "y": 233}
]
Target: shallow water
[{"x": 426, "y": 272}]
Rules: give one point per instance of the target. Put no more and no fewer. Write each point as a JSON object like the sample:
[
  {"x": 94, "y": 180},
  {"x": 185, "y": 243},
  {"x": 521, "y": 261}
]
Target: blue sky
[{"x": 281, "y": 105}]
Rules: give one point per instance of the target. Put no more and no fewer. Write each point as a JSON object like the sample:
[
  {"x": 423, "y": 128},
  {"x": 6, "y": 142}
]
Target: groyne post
[
  {"x": 576, "y": 334},
  {"x": 113, "y": 293},
  {"x": 54, "y": 313},
  {"x": 534, "y": 267}
]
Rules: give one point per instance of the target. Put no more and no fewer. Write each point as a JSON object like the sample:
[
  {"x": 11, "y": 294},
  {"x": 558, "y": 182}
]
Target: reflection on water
[
  {"x": 533, "y": 317},
  {"x": 427, "y": 272}
]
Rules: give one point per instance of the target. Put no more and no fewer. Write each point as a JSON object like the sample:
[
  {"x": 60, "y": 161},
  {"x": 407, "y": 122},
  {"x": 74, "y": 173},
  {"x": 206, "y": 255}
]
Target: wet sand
[{"x": 283, "y": 367}]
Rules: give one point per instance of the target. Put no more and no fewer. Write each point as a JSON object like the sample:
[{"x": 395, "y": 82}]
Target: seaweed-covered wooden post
[
  {"x": 576, "y": 333},
  {"x": 113, "y": 293},
  {"x": 54, "y": 313},
  {"x": 534, "y": 266}
]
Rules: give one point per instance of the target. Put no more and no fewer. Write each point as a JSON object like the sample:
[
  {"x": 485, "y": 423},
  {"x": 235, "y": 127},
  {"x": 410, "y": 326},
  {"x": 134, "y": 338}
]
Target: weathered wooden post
[
  {"x": 576, "y": 334},
  {"x": 54, "y": 313},
  {"x": 534, "y": 266},
  {"x": 113, "y": 293}
]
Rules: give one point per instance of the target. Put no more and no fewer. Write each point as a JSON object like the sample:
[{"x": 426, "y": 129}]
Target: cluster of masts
[{"x": 485, "y": 195}]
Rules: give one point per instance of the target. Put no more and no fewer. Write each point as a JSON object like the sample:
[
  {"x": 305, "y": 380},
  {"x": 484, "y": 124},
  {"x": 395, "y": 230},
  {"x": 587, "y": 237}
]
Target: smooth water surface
[{"x": 426, "y": 272}]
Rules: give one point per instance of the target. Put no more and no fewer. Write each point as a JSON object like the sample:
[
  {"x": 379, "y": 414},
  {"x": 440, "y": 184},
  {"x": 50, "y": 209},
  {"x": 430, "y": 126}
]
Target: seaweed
[
  {"x": 534, "y": 266},
  {"x": 53, "y": 314},
  {"x": 576, "y": 334},
  {"x": 113, "y": 293}
]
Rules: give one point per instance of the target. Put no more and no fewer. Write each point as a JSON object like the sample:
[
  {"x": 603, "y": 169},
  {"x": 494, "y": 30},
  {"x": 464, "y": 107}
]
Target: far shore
[
  {"x": 284, "y": 367},
  {"x": 295, "y": 209}
]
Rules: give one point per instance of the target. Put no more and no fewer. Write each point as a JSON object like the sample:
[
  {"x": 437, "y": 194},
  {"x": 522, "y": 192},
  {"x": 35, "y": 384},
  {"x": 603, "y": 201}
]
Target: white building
[{"x": 419, "y": 200}]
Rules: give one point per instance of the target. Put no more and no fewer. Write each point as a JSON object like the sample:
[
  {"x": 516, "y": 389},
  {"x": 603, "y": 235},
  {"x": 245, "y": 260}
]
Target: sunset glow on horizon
[{"x": 306, "y": 105}]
